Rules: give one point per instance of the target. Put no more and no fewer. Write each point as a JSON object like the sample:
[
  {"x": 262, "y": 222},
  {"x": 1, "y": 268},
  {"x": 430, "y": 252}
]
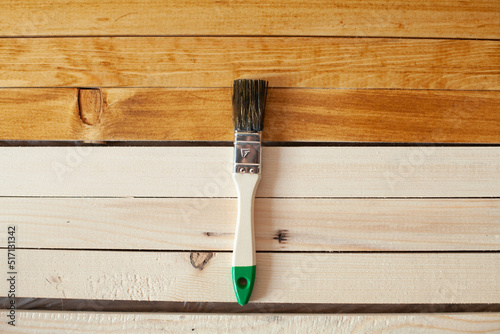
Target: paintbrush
[{"x": 249, "y": 102}]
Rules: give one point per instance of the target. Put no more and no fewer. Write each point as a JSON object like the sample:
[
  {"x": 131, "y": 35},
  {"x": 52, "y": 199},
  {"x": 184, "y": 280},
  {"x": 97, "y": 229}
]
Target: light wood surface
[
  {"x": 293, "y": 115},
  {"x": 284, "y": 62},
  {"x": 281, "y": 224},
  {"x": 422, "y": 18},
  {"x": 441, "y": 278},
  {"x": 72, "y": 322},
  {"x": 287, "y": 171}
]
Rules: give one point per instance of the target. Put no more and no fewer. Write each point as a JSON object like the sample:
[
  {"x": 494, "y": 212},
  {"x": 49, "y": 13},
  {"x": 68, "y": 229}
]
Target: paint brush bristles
[{"x": 249, "y": 104}]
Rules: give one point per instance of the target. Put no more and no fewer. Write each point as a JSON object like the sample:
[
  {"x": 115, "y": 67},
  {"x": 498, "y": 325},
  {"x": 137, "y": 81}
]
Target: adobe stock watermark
[
  {"x": 297, "y": 277},
  {"x": 212, "y": 188},
  {"x": 33, "y": 21},
  {"x": 73, "y": 159},
  {"x": 11, "y": 274},
  {"x": 370, "y": 25},
  {"x": 408, "y": 165}
]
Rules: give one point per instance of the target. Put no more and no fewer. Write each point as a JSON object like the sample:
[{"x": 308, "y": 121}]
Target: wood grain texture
[
  {"x": 150, "y": 70},
  {"x": 442, "y": 278},
  {"x": 287, "y": 171},
  {"x": 280, "y": 224},
  {"x": 53, "y": 322},
  {"x": 423, "y": 18},
  {"x": 216, "y": 62},
  {"x": 411, "y": 116},
  {"x": 34, "y": 113}
]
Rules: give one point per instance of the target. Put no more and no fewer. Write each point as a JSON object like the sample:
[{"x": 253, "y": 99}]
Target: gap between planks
[
  {"x": 293, "y": 115},
  {"x": 53, "y": 322},
  {"x": 103, "y": 305},
  {"x": 287, "y": 172},
  {"x": 423, "y": 18},
  {"x": 280, "y": 224},
  {"x": 431, "y": 278},
  {"x": 216, "y": 62}
]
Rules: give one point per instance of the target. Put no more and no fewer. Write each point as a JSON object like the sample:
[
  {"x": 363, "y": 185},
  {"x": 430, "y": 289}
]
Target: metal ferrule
[{"x": 247, "y": 152}]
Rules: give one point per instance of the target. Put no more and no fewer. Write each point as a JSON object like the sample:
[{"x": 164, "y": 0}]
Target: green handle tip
[{"x": 243, "y": 281}]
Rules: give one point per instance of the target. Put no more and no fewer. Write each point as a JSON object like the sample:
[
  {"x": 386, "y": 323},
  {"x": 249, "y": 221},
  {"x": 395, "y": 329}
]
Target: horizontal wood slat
[
  {"x": 53, "y": 322},
  {"x": 423, "y": 18},
  {"x": 216, "y": 62},
  {"x": 287, "y": 171},
  {"x": 427, "y": 278},
  {"x": 280, "y": 224},
  {"x": 292, "y": 115}
]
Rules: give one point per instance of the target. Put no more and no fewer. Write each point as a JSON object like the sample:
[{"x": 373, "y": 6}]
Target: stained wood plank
[
  {"x": 282, "y": 277},
  {"x": 280, "y": 224},
  {"x": 53, "y": 322},
  {"x": 287, "y": 171},
  {"x": 423, "y": 18},
  {"x": 30, "y": 114},
  {"x": 216, "y": 62},
  {"x": 293, "y": 115}
]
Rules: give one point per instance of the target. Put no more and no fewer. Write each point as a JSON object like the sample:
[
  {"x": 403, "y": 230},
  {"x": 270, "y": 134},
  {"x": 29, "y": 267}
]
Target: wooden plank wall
[
  {"x": 100, "y": 322},
  {"x": 381, "y": 182}
]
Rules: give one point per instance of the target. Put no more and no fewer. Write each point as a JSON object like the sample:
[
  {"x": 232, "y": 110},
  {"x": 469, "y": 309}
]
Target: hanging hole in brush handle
[{"x": 243, "y": 282}]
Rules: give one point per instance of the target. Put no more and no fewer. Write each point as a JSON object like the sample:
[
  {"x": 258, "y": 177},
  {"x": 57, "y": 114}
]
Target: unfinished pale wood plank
[
  {"x": 440, "y": 278},
  {"x": 280, "y": 224},
  {"x": 423, "y": 18},
  {"x": 53, "y": 322},
  {"x": 287, "y": 171},
  {"x": 216, "y": 62},
  {"x": 293, "y": 115}
]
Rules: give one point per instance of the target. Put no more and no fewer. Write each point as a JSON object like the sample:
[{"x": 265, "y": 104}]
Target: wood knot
[
  {"x": 89, "y": 105},
  {"x": 216, "y": 234},
  {"x": 200, "y": 260},
  {"x": 281, "y": 236}
]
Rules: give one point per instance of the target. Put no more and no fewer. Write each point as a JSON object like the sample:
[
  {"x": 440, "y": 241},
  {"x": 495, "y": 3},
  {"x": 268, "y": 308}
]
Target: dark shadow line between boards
[
  {"x": 86, "y": 305},
  {"x": 146, "y": 143}
]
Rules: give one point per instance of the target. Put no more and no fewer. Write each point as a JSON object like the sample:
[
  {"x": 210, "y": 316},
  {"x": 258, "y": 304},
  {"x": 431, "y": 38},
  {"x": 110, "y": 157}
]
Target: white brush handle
[{"x": 244, "y": 239}]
